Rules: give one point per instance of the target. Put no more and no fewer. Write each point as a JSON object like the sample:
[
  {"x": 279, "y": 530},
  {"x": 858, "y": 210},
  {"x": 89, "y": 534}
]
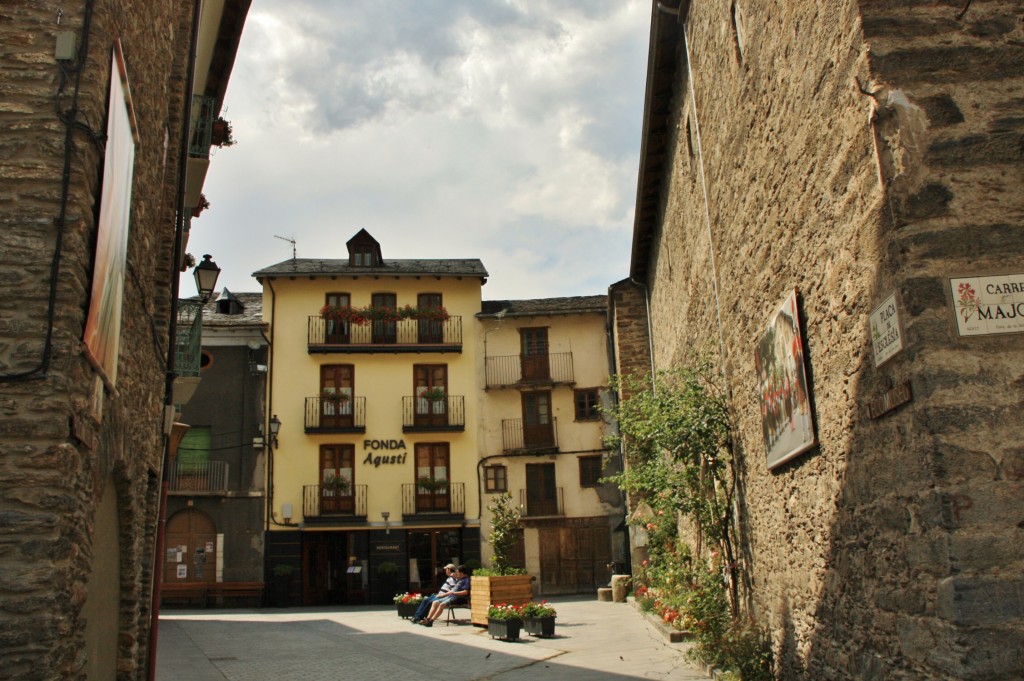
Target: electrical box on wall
[{"x": 66, "y": 46}]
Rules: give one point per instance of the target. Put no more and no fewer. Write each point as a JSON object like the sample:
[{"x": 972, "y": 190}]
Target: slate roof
[
  {"x": 545, "y": 306},
  {"x": 392, "y": 268},
  {"x": 251, "y": 314}
]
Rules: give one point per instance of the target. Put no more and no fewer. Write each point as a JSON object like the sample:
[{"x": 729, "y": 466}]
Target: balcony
[
  {"x": 202, "y": 125},
  {"x": 407, "y": 335},
  {"x": 323, "y": 505},
  {"x": 199, "y": 477},
  {"x": 541, "y": 503},
  {"x": 187, "y": 350},
  {"x": 421, "y": 415},
  {"x": 520, "y": 436},
  {"x": 448, "y": 502},
  {"x": 326, "y": 415},
  {"x": 516, "y": 371}
]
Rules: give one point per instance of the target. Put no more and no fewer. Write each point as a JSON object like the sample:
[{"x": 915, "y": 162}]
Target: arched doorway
[{"x": 191, "y": 554}]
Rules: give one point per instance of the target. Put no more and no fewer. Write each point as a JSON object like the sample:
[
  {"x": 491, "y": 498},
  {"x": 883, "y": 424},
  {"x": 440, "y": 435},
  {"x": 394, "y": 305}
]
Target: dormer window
[
  {"x": 362, "y": 256},
  {"x": 363, "y": 250}
]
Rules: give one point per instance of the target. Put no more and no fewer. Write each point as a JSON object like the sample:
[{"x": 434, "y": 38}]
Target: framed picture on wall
[
  {"x": 103, "y": 324},
  {"x": 784, "y": 397}
]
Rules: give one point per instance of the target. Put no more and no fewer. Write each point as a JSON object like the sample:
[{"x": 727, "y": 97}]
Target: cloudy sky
[{"x": 505, "y": 130}]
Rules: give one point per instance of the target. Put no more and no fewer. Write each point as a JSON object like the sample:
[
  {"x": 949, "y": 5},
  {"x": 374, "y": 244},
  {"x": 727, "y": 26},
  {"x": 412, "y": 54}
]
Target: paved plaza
[{"x": 594, "y": 641}]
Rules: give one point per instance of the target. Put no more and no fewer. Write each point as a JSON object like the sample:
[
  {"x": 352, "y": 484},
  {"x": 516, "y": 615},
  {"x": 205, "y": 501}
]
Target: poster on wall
[
  {"x": 787, "y": 423},
  {"x": 103, "y": 324}
]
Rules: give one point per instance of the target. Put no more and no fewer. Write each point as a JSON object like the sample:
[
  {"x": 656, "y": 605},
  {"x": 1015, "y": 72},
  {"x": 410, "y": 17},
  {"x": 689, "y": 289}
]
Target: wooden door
[
  {"x": 575, "y": 555},
  {"x": 337, "y": 390},
  {"x": 429, "y": 330},
  {"x": 538, "y": 431},
  {"x": 384, "y": 331},
  {"x": 433, "y": 488},
  {"x": 337, "y": 331},
  {"x": 541, "y": 490},
  {"x": 533, "y": 354},
  {"x": 191, "y": 554},
  {"x": 314, "y": 569},
  {"x": 337, "y": 479},
  {"x": 431, "y": 391}
]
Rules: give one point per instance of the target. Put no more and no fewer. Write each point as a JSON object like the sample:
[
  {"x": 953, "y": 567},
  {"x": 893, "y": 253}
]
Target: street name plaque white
[
  {"x": 986, "y": 306},
  {"x": 886, "y": 335}
]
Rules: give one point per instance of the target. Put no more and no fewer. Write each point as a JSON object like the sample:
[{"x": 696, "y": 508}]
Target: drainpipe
[{"x": 179, "y": 228}]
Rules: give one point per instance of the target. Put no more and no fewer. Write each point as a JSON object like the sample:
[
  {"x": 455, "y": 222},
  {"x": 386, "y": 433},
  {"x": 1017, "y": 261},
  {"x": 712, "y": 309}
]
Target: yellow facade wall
[
  {"x": 383, "y": 378},
  {"x": 582, "y": 335}
]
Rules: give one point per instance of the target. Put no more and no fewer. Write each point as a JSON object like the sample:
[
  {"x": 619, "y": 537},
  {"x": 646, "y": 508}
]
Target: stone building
[
  {"x": 868, "y": 157},
  {"x": 546, "y": 379},
  {"x": 215, "y": 513},
  {"x": 96, "y": 128}
]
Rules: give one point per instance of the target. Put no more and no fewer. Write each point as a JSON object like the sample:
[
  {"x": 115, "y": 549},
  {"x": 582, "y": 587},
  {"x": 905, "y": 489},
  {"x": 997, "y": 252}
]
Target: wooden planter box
[
  {"x": 407, "y": 610},
  {"x": 504, "y": 629},
  {"x": 485, "y": 591},
  {"x": 539, "y": 626}
]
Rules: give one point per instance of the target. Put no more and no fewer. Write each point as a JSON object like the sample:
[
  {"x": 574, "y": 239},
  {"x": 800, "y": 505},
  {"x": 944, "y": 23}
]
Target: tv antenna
[{"x": 291, "y": 241}]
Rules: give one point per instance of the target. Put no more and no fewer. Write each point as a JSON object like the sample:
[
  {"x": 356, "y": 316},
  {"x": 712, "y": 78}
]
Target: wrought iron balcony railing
[
  {"x": 444, "y": 499},
  {"x": 518, "y": 435},
  {"x": 320, "y": 502},
  {"x": 420, "y": 415},
  {"x": 329, "y": 415},
  {"x": 202, "y": 125},
  {"x": 407, "y": 335},
  {"x": 198, "y": 476},
  {"x": 538, "y": 503},
  {"x": 188, "y": 340},
  {"x": 519, "y": 370}
]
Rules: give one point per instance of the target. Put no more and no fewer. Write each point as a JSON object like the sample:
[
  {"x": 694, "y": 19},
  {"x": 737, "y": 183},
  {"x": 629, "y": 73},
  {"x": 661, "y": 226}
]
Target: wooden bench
[
  {"x": 451, "y": 613},
  {"x": 204, "y": 591}
]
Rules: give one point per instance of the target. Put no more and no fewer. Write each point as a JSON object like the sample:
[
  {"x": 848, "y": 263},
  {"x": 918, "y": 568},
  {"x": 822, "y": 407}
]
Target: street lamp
[
  {"x": 275, "y": 426},
  {"x": 206, "y": 274}
]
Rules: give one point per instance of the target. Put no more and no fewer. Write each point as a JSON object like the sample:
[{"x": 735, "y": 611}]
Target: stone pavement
[{"x": 594, "y": 641}]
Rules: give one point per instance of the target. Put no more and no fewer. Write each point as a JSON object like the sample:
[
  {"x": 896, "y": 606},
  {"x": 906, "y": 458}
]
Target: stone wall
[
  {"x": 55, "y": 458},
  {"x": 851, "y": 150}
]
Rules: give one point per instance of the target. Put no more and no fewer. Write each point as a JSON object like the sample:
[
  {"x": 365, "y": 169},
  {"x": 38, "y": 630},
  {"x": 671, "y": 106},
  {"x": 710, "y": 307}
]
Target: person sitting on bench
[
  {"x": 449, "y": 584},
  {"x": 460, "y": 594}
]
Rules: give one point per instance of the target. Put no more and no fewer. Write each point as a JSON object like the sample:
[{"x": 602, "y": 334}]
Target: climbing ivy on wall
[{"x": 675, "y": 431}]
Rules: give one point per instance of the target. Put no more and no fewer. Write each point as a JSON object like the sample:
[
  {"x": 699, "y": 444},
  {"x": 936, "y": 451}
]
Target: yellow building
[
  {"x": 541, "y": 437},
  {"x": 374, "y": 382}
]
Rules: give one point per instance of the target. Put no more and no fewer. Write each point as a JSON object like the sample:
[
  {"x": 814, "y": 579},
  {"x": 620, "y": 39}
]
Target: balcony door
[
  {"x": 337, "y": 332},
  {"x": 433, "y": 484},
  {"x": 337, "y": 384},
  {"x": 429, "y": 330},
  {"x": 431, "y": 391},
  {"x": 541, "y": 491},
  {"x": 533, "y": 354},
  {"x": 337, "y": 478},
  {"x": 384, "y": 331},
  {"x": 537, "y": 429}
]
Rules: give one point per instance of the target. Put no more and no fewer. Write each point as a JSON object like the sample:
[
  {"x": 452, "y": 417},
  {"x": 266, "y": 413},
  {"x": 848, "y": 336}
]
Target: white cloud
[{"x": 504, "y": 131}]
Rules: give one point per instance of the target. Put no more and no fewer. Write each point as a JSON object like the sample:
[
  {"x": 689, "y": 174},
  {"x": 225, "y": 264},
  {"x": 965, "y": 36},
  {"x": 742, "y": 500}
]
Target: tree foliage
[{"x": 504, "y": 533}]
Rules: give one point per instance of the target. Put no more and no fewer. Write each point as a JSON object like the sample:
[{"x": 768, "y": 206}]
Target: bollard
[
  {"x": 620, "y": 587},
  {"x": 604, "y": 594}
]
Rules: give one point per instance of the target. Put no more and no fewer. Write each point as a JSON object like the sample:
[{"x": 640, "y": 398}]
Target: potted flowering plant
[
  {"x": 432, "y": 394},
  {"x": 504, "y": 621},
  {"x": 539, "y": 619},
  {"x": 429, "y": 484},
  {"x": 336, "y": 483},
  {"x": 407, "y": 603}
]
